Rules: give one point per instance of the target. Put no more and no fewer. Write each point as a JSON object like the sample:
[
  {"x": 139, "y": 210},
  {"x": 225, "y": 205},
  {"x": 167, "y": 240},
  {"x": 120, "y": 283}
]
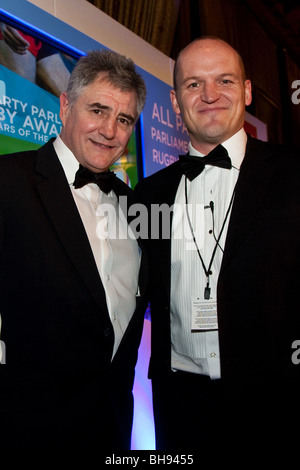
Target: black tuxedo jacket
[
  {"x": 258, "y": 299},
  {"x": 59, "y": 387}
]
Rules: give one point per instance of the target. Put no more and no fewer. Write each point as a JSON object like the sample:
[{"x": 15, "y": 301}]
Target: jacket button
[{"x": 107, "y": 332}]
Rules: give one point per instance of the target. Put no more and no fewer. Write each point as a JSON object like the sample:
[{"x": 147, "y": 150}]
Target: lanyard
[{"x": 207, "y": 271}]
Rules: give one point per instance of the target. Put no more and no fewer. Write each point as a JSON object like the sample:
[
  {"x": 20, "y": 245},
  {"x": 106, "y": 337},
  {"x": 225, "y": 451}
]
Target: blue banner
[
  {"x": 27, "y": 111},
  {"x": 164, "y": 135}
]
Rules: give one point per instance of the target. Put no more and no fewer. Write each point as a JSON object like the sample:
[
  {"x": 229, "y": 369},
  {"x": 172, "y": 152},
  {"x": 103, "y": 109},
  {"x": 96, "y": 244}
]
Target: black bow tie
[
  {"x": 104, "y": 180},
  {"x": 192, "y": 166}
]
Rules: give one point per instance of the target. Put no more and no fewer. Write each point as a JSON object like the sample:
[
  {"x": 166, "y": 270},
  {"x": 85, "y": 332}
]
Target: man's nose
[
  {"x": 108, "y": 128},
  {"x": 210, "y": 93}
]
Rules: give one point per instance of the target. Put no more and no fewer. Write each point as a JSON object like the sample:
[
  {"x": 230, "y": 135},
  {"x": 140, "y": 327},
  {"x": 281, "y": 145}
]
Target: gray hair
[{"x": 117, "y": 69}]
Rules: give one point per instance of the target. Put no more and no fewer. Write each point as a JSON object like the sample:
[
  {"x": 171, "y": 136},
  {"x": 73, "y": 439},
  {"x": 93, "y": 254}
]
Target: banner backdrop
[
  {"x": 164, "y": 136},
  {"x": 27, "y": 112}
]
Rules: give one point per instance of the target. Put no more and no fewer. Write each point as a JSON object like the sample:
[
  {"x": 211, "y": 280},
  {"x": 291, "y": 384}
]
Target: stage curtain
[{"x": 152, "y": 20}]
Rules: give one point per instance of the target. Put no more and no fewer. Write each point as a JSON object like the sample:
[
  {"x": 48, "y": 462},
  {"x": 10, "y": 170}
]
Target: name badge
[{"x": 204, "y": 315}]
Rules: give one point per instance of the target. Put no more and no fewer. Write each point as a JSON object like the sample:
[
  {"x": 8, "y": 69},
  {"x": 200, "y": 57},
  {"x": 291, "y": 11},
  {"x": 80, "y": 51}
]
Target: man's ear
[
  {"x": 174, "y": 102},
  {"x": 248, "y": 92},
  {"x": 64, "y": 106}
]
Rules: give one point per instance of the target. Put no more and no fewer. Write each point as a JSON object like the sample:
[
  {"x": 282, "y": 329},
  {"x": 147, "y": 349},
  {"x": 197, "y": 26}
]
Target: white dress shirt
[
  {"x": 116, "y": 252},
  {"x": 198, "y": 351}
]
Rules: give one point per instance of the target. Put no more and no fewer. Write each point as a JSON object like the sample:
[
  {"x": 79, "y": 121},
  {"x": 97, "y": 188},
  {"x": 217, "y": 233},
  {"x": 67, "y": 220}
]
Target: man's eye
[
  {"x": 124, "y": 121},
  {"x": 193, "y": 85}
]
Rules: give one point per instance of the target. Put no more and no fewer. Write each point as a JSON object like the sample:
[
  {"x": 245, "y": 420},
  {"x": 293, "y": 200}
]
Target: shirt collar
[
  {"x": 67, "y": 159},
  {"x": 235, "y": 146}
]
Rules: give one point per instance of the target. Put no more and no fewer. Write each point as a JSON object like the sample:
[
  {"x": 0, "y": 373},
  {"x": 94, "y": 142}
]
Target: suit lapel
[
  {"x": 57, "y": 199},
  {"x": 167, "y": 196},
  {"x": 170, "y": 184},
  {"x": 253, "y": 182}
]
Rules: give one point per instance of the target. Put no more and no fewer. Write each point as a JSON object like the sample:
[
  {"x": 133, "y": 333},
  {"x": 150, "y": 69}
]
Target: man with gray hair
[{"x": 71, "y": 323}]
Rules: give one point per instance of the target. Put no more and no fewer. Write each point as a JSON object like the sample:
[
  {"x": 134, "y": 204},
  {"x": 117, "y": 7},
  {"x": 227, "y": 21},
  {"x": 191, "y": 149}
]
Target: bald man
[{"x": 224, "y": 303}]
